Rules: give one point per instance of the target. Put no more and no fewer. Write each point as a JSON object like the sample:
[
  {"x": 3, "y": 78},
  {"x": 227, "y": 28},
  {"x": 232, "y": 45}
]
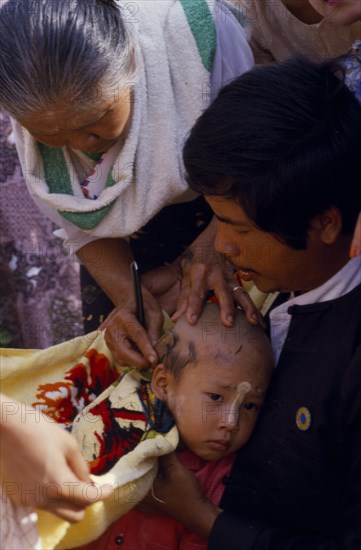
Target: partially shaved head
[
  {"x": 210, "y": 339},
  {"x": 214, "y": 380}
]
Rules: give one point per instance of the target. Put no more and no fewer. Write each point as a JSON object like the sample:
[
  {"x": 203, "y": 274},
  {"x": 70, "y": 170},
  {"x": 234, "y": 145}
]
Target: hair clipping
[{"x": 165, "y": 343}]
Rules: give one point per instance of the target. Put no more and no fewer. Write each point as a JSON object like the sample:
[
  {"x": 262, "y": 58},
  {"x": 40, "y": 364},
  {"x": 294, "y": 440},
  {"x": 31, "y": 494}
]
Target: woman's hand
[
  {"x": 108, "y": 261},
  {"x": 128, "y": 341},
  {"x": 177, "y": 493},
  {"x": 41, "y": 464}
]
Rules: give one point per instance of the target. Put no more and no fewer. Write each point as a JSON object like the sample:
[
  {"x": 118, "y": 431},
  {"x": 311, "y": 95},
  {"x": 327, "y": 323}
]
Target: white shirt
[{"x": 340, "y": 284}]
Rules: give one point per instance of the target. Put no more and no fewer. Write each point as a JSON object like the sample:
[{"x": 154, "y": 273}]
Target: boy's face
[
  {"x": 262, "y": 258},
  {"x": 215, "y": 405},
  {"x": 342, "y": 12}
]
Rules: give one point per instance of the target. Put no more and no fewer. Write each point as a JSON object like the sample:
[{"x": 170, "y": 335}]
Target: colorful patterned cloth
[
  {"x": 61, "y": 381},
  {"x": 123, "y": 416}
]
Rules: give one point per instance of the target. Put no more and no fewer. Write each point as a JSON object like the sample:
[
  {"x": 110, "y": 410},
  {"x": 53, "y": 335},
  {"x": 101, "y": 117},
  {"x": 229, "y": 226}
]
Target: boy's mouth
[{"x": 219, "y": 444}]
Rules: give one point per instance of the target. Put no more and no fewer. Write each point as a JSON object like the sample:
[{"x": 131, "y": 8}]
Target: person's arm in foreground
[{"x": 41, "y": 464}]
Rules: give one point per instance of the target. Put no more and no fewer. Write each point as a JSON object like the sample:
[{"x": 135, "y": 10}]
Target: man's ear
[
  {"x": 160, "y": 381},
  {"x": 328, "y": 224}
]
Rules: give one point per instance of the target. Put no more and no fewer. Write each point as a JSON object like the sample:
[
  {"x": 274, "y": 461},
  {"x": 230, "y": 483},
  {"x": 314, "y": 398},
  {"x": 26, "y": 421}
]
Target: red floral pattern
[
  {"x": 116, "y": 440},
  {"x": 63, "y": 400}
]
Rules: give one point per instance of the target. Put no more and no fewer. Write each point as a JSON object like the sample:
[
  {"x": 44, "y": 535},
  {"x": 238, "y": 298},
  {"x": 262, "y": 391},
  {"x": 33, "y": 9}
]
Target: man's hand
[
  {"x": 203, "y": 269},
  {"x": 177, "y": 493}
]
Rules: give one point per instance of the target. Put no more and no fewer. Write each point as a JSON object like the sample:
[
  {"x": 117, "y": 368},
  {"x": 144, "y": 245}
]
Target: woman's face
[
  {"x": 342, "y": 12},
  {"x": 94, "y": 130}
]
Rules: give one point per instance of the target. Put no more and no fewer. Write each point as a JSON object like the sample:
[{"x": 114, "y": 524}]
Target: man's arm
[
  {"x": 232, "y": 532},
  {"x": 177, "y": 493}
]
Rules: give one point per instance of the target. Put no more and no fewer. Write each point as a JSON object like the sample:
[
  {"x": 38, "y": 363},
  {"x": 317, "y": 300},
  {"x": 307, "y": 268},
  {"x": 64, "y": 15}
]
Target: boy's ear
[
  {"x": 329, "y": 225},
  {"x": 160, "y": 380}
]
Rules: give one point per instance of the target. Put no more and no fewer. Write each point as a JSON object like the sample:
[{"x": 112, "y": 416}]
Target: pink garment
[{"x": 139, "y": 531}]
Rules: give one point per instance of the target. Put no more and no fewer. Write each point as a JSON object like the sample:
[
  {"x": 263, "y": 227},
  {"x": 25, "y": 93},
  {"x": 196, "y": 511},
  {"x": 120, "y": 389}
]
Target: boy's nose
[{"x": 230, "y": 421}]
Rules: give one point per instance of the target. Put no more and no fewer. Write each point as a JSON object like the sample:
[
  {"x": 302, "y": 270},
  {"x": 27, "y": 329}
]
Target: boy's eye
[
  {"x": 250, "y": 406},
  {"x": 215, "y": 396}
]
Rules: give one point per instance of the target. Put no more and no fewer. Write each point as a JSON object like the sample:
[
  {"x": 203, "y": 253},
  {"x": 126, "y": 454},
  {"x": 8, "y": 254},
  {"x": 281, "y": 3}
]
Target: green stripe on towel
[
  {"x": 57, "y": 177},
  {"x": 56, "y": 171},
  {"x": 203, "y": 29},
  {"x": 87, "y": 220}
]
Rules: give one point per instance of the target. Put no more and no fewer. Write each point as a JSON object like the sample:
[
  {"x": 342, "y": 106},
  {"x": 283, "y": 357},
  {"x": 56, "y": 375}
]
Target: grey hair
[{"x": 77, "y": 51}]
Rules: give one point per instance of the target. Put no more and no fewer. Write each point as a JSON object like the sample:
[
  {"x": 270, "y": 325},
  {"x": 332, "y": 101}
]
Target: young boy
[
  {"x": 213, "y": 380},
  {"x": 277, "y": 156}
]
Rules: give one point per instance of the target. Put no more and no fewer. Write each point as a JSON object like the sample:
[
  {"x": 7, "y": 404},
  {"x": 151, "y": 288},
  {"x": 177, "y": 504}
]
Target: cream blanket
[{"x": 61, "y": 381}]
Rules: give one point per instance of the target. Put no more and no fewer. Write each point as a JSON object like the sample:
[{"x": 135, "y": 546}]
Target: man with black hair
[{"x": 277, "y": 158}]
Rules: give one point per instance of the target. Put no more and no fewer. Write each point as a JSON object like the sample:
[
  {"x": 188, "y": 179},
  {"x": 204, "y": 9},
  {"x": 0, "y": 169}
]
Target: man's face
[
  {"x": 215, "y": 404},
  {"x": 261, "y": 257},
  {"x": 341, "y": 12}
]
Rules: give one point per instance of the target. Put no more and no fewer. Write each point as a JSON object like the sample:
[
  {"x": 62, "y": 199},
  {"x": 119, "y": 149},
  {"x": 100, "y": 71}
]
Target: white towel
[{"x": 178, "y": 42}]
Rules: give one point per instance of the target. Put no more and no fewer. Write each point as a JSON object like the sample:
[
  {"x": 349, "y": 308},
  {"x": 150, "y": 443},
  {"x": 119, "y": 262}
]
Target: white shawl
[{"x": 178, "y": 42}]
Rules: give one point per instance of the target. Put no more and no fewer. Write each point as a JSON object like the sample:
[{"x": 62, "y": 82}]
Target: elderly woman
[{"x": 103, "y": 94}]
